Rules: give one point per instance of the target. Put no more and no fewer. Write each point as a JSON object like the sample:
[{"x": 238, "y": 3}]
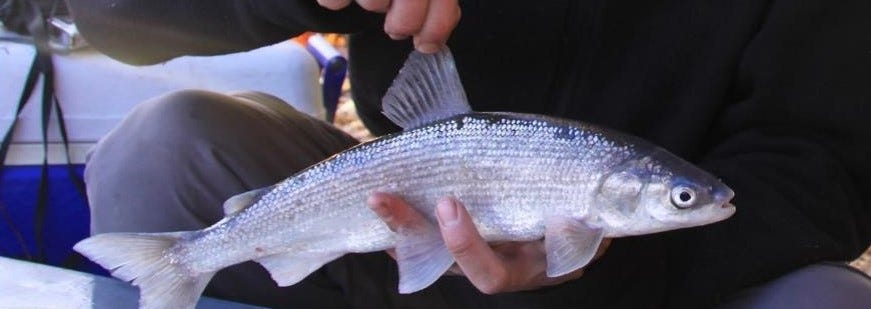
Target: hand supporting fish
[
  {"x": 492, "y": 268},
  {"x": 429, "y": 22}
]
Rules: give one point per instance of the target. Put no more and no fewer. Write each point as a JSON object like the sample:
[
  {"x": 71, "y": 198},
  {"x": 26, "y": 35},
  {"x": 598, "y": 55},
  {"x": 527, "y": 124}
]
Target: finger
[
  {"x": 394, "y": 211},
  {"x": 441, "y": 18},
  {"x": 520, "y": 250},
  {"x": 496, "y": 246},
  {"x": 379, "y": 6},
  {"x": 602, "y": 248},
  {"x": 477, "y": 261},
  {"x": 405, "y": 18},
  {"x": 334, "y": 4},
  {"x": 455, "y": 270},
  {"x": 527, "y": 262}
]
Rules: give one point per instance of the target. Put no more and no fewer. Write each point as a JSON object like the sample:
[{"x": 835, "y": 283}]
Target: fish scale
[
  {"x": 521, "y": 177},
  {"x": 443, "y": 150}
]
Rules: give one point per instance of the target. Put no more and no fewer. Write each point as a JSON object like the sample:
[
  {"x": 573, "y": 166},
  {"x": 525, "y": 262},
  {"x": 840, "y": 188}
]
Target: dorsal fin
[{"x": 427, "y": 89}]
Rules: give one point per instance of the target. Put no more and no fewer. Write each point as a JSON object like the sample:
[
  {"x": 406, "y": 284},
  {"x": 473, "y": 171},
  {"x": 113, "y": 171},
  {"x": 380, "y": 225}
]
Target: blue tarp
[{"x": 65, "y": 222}]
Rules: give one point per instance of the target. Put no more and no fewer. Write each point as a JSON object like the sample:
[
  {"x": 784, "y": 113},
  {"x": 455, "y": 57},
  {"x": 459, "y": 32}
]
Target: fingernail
[
  {"x": 380, "y": 208},
  {"x": 427, "y": 48},
  {"x": 446, "y": 210},
  {"x": 377, "y": 204},
  {"x": 397, "y": 36}
]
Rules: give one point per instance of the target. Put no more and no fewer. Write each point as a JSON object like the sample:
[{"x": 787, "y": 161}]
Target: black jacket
[{"x": 771, "y": 96}]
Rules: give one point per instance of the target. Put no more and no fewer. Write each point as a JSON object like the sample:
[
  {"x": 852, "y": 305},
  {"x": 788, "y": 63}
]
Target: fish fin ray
[
  {"x": 288, "y": 268},
  {"x": 570, "y": 244},
  {"x": 422, "y": 258},
  {"x": 244, "y": 200},
  {"x": 427, "y": 89},
  {"x": 142, "y": 260}
]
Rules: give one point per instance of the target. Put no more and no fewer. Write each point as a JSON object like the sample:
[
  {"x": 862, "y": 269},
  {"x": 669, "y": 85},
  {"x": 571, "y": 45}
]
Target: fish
[{"x": 522, "y": 177}]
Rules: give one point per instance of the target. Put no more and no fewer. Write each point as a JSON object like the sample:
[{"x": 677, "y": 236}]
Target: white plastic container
[{"x": 96, "y": 92}]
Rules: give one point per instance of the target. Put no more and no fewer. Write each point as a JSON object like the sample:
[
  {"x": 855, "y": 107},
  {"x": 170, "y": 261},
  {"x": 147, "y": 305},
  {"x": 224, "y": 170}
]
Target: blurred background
[{"x": 43, "y": 211}]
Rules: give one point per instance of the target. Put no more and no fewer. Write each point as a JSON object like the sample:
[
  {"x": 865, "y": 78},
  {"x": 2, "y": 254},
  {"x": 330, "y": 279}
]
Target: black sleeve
[
  {"x": 152, "y": 31},
  {"x": 795, "y": 147}
]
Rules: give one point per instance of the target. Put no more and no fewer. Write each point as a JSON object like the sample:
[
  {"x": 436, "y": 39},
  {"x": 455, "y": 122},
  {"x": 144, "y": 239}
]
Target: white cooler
[{"x": 96, "y": 92}]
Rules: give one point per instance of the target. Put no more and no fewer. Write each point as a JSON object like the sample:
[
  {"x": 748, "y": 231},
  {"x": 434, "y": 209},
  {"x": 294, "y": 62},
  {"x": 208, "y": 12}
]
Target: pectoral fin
[
  {"x": 422, "y": 258},
  {"x": 570, "y": 244}
]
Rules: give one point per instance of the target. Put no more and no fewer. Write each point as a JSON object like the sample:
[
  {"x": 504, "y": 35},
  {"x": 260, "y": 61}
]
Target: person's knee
[
  {"x": 159, "y": 136},
  {"x": 178, "y": 101},
  {"x": 184, "y": 114},
  {"x": 194, "y": 121},
  {"x": 139, "y": 175},
  {"x": 824, "y": 285}
]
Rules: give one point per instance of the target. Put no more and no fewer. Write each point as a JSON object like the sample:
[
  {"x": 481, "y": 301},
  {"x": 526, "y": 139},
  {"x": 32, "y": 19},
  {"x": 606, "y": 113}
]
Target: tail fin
[{"x": 142, "y": 260}]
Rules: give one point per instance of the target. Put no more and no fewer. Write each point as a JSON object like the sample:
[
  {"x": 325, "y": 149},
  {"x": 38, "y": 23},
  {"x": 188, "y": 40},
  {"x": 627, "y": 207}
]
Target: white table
[{"x": 30, "y": 285}]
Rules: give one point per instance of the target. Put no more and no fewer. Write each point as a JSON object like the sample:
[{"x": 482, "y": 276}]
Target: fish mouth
[
  {"x": 726, "y": 210},
  {"x": 723, "y": 196}
]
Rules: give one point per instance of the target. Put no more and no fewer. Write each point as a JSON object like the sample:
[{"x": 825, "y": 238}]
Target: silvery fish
[{"x": 522, "y": 177}]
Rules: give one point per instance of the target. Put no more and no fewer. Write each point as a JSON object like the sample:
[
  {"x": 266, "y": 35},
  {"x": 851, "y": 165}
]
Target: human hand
[
  {"x": 492, "y": 268},
  {"x": 429, "y": 22}
]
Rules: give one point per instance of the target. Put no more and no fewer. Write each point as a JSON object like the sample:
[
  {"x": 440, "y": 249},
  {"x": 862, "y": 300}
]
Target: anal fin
[
  {"x": 288, "y": 269},
  {"x": 570, "y": 244}
]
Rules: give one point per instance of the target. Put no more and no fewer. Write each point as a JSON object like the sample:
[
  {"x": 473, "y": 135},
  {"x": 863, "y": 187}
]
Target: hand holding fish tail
[
  {"x": 492, "y": 268},
  {"x": 429, "y": 22}
]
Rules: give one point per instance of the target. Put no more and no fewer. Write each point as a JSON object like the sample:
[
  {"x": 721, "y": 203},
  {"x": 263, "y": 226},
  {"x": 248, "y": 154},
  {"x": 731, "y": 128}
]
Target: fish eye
[{"x": 683, "y": 197}]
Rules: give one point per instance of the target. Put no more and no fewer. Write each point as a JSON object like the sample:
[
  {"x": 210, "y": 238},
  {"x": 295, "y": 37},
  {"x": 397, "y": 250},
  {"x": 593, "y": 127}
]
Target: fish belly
[{"x": 509, "y": 172}]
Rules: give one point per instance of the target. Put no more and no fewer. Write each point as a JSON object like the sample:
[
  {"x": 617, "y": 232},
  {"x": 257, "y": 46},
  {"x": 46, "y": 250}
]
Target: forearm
[{"x": 147, "y": 32}]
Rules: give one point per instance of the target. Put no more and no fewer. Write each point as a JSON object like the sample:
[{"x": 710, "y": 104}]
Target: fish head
[{"x": 659, "y": 191}]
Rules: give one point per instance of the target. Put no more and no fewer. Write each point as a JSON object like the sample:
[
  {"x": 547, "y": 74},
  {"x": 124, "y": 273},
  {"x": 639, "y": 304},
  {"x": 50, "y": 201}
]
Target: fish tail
[{"x": 142, "y": 259}]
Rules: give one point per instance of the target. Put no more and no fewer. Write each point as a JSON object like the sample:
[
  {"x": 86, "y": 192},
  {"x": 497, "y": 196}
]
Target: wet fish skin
[
  {"x": 508, "y": 171},
  {"x": 511, "y": 167},
  {"x": 521, "y": 176}
]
